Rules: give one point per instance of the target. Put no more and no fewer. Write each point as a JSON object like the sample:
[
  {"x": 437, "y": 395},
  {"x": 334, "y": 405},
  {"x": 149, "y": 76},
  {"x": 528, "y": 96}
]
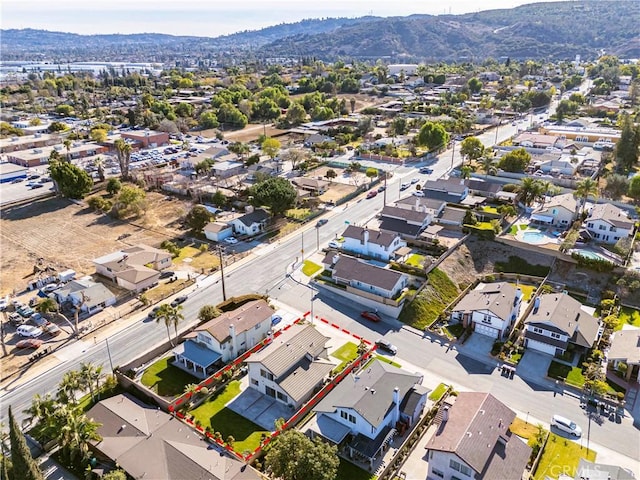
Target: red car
[
  {"x": 372, "y": 193},
  {"x": 373, "y": 316},
  {"x": 29, "y": 343}
]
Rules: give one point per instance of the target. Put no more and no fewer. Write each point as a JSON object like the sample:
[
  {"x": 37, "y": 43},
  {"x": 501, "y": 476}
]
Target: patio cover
[
  {"x": 541, "y": 218},
  {"x": 196, "y": 353},
  {"x": 368, "y": 447},
  {"x": 329, "y": 428}
]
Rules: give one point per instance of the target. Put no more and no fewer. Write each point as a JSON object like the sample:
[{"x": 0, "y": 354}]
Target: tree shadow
[{"x": 35, "y": 208}]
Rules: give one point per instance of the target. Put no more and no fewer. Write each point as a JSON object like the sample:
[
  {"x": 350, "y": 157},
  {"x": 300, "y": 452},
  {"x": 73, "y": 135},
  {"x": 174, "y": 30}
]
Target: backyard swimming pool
[
  {"x": 536, "y": 237},
  {"x": 591, "y": 255}
]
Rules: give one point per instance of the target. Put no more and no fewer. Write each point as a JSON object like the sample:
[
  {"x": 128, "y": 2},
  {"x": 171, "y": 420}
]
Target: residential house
[
  {"x": 222, "y": 339},
  {"x": 491, "y": 309},
  {"x": 363, "y": 278},
  {"x": 293, "y": 367},
  {"x": 250, "y": 223},
  {"x": 559, "y": 211},
  {"x": 598, "y": 471},
  {"x": 313, "y": 185},
  {"x": 135, "y": 268},
  {"x": 558, "y": 320},
  {"x": 370, "y": 406},
  {"x": 40, "y": 156},
  {"x": 90, "y": 296},
  {"x": 316, "y": 139},
  {"x": 535, "y": 140},
  {"x": 422, "y": 203},
  {"x": 227, "y": 168},
  {"x": 451, "y": 190},
  {"x": 148, "y": 443},
  {"x": 625, "y": 348},
  {"x": 452, "y": 216},
  {"x": 564, "y": 165},
  {"x": 217, "y": 231},
  {"x": 371, "y": 243},
  {"x": 405, "y": 222},
  {"x": 581, "y": 134},
  {"x": 473, "y": 440},
  {"x": 607, "y": 223},
  {"x": 483, "y": 187}
]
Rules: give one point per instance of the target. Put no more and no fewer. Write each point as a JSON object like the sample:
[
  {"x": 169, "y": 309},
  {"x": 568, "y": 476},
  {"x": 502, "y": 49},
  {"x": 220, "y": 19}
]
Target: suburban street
[{"x": 265, "y": 271}]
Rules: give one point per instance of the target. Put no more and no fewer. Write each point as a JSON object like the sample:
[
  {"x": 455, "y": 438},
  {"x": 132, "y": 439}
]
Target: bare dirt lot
[{"x": 67, "y": 235}]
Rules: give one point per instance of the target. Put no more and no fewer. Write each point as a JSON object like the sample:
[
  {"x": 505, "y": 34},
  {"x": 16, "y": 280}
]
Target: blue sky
[{"x": 209, "y": 17}]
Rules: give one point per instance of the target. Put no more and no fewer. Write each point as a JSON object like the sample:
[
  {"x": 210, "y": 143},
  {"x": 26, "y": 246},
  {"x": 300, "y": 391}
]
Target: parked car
[
  {"x": 231, "y": 240},
  {"x": 372, "y": 193},
  {"x": 373, "y": 316},
  {"x": 167, "y": 274},
  {"x": 29, "y": 343},
  {"x": 38, "y": 320},
  {"x": 154, "y": 312},
  {"x": 50, "y": 287},
  {"x": 418, "y": 193},
  {"x": 33, "y": 177},
  {"x": 335, "y": 244},
  {"x": 17, "y": 319},
  {"x": 37, "y": 185},
  {"x": 276, "y": 319},
  {"x": 25, "y": 311},
  {"x": 565, "y": 425},
  {"x": 414, "y": 180},
  {"x": 179, "y": 300},
  {"x": 381, "y": 188},
  {"x": 322, "y": 221},
  {"x": 28, "y": 331},
  {"x": 52, "y": 329},
  {"x": 17, "y": 180},
  {"x": 405, "y": 185},
  {"x": 387, "y": 346},
  {"x": 426, "y": 170}
]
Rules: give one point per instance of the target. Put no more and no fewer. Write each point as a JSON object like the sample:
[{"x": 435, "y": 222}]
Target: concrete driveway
[
  {"x": 260, "y": 409},
  {"x": 534, "y": 364},
  {"x": 477, "y": 345}
]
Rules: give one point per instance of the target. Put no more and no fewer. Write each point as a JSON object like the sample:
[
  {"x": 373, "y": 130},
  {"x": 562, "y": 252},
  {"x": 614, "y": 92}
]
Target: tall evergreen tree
[
  {"x": 24, "y": 466},
  {"x": 627, "y": 146}
]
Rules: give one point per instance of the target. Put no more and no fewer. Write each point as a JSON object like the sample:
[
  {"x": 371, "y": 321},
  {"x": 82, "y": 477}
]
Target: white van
[
  {"x": 28, "y": 331},
  {"x": 565, "y": 425}
]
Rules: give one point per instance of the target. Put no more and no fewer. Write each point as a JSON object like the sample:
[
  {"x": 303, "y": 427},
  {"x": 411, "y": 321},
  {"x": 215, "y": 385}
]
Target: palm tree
[
  {"x": 123, "y": 152},
  {"x": 41, "y": 407},
  {"x": 99, "y": 163},
  {"x": 90, "y": 377},
  {"x": 529, "y": 190},
  {"x": 68, "y": 387},
  {"x": 46, "y": 306},
  {"x": 487, "y": 164},
  {"x": 76, "y": 433},
  {"x": 67, "y": 145},
  {"x": 584, "y": 190},
  {"x": 170, "y": 315}
]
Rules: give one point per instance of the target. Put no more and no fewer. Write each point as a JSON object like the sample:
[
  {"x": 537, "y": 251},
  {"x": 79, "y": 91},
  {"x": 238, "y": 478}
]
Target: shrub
[{"x": 237, "y": 302}]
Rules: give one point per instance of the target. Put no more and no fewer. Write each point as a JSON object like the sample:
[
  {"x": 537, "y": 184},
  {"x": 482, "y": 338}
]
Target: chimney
[
  {"x": 396, "y": 405},
  {"x": 445, "y": 414},
  {"x": 365, "y": 235}
]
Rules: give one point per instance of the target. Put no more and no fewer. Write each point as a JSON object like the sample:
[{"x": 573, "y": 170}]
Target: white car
[
  {"x": 334, "y": 244},
  {"x": 28, "y": 331},
  {"x": 418, "y": 193},
  {"x": 565, "y": 425},
  {"x": 231, "y": 240}
]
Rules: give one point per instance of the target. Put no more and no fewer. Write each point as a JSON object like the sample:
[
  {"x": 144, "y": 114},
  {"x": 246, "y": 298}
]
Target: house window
[
  {"x": 282, "y": 397},
  {"x": 267, "y": 375},
  {"x": 458, "y": 467},
  {"x": 373, "y": 430},
  {"x": 352, "y": 419},
  {"x": 612, "y": 229},
  {"x": 537, "y": 330},
  {"x": 597, "y": 235},
  {"x": 486, "y": 319},
  {"x": 437, "y": 473},
  {"x": 590, "y": 224},
  {"x": 258, "y": 327},
  {"x": 255, "y": 382},
  {"x": 555, "y": 335},
  {"x": 343, "y": 414},
  {"x": 602, "y": 227}
]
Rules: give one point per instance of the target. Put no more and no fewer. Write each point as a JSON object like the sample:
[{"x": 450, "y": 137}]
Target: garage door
[{"x": 485, "y": 330}]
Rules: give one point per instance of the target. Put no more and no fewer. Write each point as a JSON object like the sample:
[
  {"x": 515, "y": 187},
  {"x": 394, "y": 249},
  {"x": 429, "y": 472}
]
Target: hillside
[{"x": 558, "y": 30}]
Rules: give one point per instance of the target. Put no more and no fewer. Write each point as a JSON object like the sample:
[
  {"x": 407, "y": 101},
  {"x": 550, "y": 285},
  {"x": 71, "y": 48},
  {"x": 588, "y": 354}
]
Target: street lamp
[{"x": 224, "y": 292}]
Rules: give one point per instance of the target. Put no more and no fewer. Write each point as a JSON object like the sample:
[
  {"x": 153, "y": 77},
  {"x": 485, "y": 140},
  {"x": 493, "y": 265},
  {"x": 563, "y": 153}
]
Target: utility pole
[
  {"x": 495, "y": 142},
  {"x": 317, "y": 238},
  {"x": 106, "y": 340},
  {"x": 453, "y": 152},
  {"x": 384, "y": 193},
  {"x": 302, "y": 247},
  {"x": 224, "y": 292}
]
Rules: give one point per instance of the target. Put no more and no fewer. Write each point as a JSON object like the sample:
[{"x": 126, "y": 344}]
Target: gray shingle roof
[
  {"x": 243, "y": 318},
  {"x": 625, "y": 345},
  {"x": 305, "y": 377},
  {"x": 610, "y": 214},
  {"x": 412, "y": 201},
  {"x": 450, "y": 185},
  {"x": 370, "y": 393},
  {"x": 257, "y": 216},
  {"x": 287, "y": 350},
  {"x": 376, "y": 237},
  {"x": 476, "y": 422},
  {"x": 398, "y": 226},
  {"x": 412, "y": 216},
  {"x": 498, "y": 298},
  {"x": 565, "y": 313},
  {"x": 349, "y": 268}
]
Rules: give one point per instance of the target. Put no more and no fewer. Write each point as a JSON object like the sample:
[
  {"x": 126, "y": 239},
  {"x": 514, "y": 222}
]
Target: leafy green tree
[
  {"x": 271, "y": 147},
  {"x": 584, "y": 190},
  {"x": 24, "y": 466},
  {"x": 64, "y": 110},
  {"x": 296, "y": 114},
  {"x": 98, "y": 135},
  {"x": 371, "y": 173},
  {"x": 184, "y": 110},
  {"x": 208, "y": 312},
  {"x": 208, "y": 120},
  {"x": 76, "y": 434},
  {"x": 115, "y": 475},
  {"x": 627, "y": 147},
  {"x": 90, "y": 375},
  {"x": 114, "y": 185},
  {"x": 46, "y": 306},
  {"x": 472, "y": 148},
  {"x": 71, "y": 180},
  {"x": 515, "y": 161},
  {"x": 198, "y": 218},
  {"x": 474, "y": 85},
  {"x": 294, "y": 456},
  {"x": 617, "y": 186},
  {"x": 230, "y": 115},
  {"x": 331, "y": 174},
  {"x": 171, "y": 316},
  {"x": 634, "y": 188},
  {"x": 55, "y": 127},
  {"x": 131, "y": 199},
  {"x": 432, "y": 135},
  {"x": 529, "y": 190},
  {"x": 277, "y": 193},
  {"x": 218, "y": 199}
]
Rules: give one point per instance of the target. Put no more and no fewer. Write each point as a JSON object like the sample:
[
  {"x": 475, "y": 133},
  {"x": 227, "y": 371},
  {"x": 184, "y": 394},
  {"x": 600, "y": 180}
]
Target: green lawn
[
  {"x": 382, "y": 359},
  {"x": 298, "y": 213},
  {"x": 213, "y": 413},
  {"x": 573, "y": 376},
  {"x": 309, "y": 268},
  {"x": 454, "y": 330},
  {"x": 520, "y": 265},
  {"x": 527, "y": 290},
  {"x": 349, "y": 471},
  {"x": 523, "y": 429},
  {"x": 427, "y": 306},
  {"x": 484, "y": 226},
  {"x": 628, "y": 316},
  {"x": 415, "y": 260},
  {"x": 561, "y": 456},
  {"x": 165, "y": 379},
  {"x": 513, "y": 230},
  {"x": 346, "y": 353},
  {"x": 437, "y": 393},
  {"x": 488, "y": 209}
]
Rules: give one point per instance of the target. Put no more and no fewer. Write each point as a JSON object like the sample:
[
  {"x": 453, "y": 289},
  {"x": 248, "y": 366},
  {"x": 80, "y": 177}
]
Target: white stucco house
[
  {"x": 224, "y": 338},
  {"x": 473, "y": 440},
  {"x": 371, "y": 243},
  {"x": 87, "y": 294},
  {"x": 293, "y": 367},
  {"x": 369, "y": 405},
  {"x": 557, "y": 320},
  {"x": 607, "y": 223},
  {"x": 217, "y": 231},
  {"x": 491, "y": 309},
  {"x": 559, "y": 211},
  {"x": 251, "y": 223}
]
